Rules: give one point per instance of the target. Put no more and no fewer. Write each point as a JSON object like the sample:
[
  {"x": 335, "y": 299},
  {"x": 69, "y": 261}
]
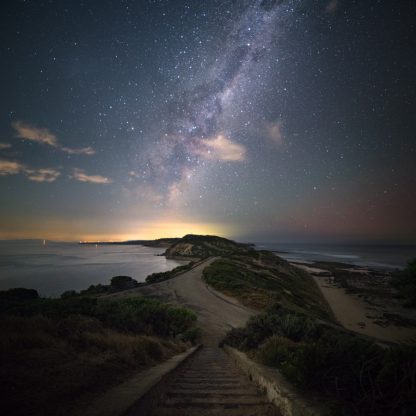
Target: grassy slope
[
  {"x": 203, "y": 246},
  {"x": 261, "y": 279},
  {"x": 56, "y": 354}
]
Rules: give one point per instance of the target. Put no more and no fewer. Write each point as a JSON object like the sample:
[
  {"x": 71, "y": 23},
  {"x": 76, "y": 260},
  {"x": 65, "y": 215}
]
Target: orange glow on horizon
[
  {"x": 154, "y": 231},
  {"x": 138, "y": 231}
]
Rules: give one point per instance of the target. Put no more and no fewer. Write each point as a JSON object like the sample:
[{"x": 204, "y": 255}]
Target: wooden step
[{"x": 210, "y": 384}]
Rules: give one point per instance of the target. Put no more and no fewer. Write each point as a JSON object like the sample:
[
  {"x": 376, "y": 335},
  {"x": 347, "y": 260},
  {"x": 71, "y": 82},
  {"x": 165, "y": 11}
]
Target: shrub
[
  {"x": 123, "y": 283},
  {"x": 405, "y": 282},
  {"x": 275, "y": 350},
  {"x": 191, "y": 335},
  {"x": 275, "y": 322},
  {"x": 161, "y": 276},
  {"x": 69, "y": 294},
  {"x": 368, "y": 378},
  {"x": 19, "y": 293},
  {"x": 47, "y": 365},
  {"x": 135, "y": 314}
]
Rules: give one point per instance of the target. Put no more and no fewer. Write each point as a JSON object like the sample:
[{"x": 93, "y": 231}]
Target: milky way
[
  {"x": 202, "y": 113},
  {"x": 288, "y": 120}
]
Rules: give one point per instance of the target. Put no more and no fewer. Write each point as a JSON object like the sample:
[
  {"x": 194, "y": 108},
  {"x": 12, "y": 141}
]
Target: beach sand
[
  {"x": 357, "y": 315},
  {"x": 354, "y": 313}
]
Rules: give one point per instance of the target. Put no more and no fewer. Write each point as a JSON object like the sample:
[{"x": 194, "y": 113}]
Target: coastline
[{"x": 363, "y": 309}]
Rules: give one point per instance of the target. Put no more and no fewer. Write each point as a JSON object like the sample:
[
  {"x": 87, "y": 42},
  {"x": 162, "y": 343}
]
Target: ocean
[
  {"x": 56, "y": 267},
  {"x": 378, "y": 257}
]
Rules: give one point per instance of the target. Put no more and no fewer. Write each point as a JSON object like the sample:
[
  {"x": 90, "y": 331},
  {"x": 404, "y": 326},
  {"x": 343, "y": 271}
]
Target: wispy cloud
[
  {"x": 44, "y": 136},
  {"x": 80, "y": 175},
  {"x": 332, "y": 6},
  {"x": 11, "y": 167},
  {"x": 42, "y": 175},
  {"x": 40, "y": 135},
  {"x": 221, "y": 148},
  {"x": 134, "y": 174},
  {"x": 80, "y": 151},
  {"x": 5, "y": 146},
  {"x": 274, "y": 131}
]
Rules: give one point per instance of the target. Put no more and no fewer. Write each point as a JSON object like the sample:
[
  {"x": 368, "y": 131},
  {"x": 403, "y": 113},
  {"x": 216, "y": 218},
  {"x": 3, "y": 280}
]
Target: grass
[
  {"x": 261, "y": 279},
  {"x": 365, "y": 378},
  {"x": 58, "y": 353},
  {"x": 161, "y": 276},
  {"x": 203, "y": 246}
]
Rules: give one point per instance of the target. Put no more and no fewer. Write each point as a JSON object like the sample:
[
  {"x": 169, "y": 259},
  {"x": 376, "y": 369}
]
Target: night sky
[{"x": 258, "y": 120}]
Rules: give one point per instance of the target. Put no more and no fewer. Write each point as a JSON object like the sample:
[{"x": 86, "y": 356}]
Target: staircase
[{"x": 209, "y": 383}]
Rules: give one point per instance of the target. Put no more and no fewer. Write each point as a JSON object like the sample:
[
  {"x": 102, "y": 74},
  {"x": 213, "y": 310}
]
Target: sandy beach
[{"x": 354, "y": 313}]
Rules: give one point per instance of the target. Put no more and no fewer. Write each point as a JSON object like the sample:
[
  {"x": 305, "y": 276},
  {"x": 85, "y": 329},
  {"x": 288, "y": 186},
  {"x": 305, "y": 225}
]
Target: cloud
[
  {"x": 5, "y": 146},
  {"x": 10, "y": 167},
  {"x": 44, "y": 136},
  {"x": 80, "y": 175},
  {"x": 220, "y": 148},
  {"x": 40, "y": 135},
  {"x": 80, "y": 151},
  {"x": 42, "y": 175},
  {"x": 134, "y": 174},
  {"x": 332, "y": 6},
  {"x": 273, "y": 131}
]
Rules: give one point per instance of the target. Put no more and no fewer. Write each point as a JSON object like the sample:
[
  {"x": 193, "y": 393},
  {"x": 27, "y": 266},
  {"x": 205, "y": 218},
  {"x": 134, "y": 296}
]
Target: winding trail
[
  {"x": 217, "y": 313},
  {"x": 209, "y": 383}
]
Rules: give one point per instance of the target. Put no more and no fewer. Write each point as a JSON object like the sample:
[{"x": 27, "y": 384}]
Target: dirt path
[
  {"x": 216, "y": 313},
  {"x": 209, "y": 383}
]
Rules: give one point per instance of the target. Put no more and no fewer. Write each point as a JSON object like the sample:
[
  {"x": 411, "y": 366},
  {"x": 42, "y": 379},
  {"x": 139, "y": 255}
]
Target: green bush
[
  {"x": 367, "y": 378},
  {"x": 278, "y": 321},
  {"x": 161, "y": 276},
  {"x": 51, "y": 366},
  {"x": 19, "y": 293},
  {"x": 405, "y": 282},
  {"x": 135, "y": 314},
  {"x": 276, "y": 350},
  {"x": 122, "y": 283},
  {"x": 191, "y": 335}
]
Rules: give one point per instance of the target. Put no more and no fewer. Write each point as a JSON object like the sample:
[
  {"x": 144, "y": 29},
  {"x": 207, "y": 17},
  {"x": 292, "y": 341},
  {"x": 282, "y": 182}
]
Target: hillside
[
  {"x": 260, "y": 280},
  {"x": 202, "y": 246}
]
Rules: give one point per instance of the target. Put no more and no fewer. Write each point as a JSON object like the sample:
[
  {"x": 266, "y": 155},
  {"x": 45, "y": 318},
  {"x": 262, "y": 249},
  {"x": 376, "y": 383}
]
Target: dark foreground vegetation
[
  {"x": 120, "y": 283},
  {"x": 364, "y": 377},
  {"x": 57, "y": 353},
  {"x": 405, "y": 282},
  {"x": 161, "y": 276}
]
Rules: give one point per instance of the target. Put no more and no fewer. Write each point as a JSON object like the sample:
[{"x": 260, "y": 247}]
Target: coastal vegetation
[
  {"x": 57, "y": 352},
  {"x": 203, "y": 246},
  {"x": 405, "y": 282},
  {"x": 161, "y": 276},
  {"x": 120, "y": 283},
  {"x": 362, "y": 376},
  {"x": 259, "y": 279},
  {"x": 117, "y": 284}
]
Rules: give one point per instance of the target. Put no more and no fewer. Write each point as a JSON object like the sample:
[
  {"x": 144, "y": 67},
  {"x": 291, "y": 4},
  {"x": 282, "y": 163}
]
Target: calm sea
[
  {"x": 379, "y": 257},
  {"x": 56, "y": 267}
]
